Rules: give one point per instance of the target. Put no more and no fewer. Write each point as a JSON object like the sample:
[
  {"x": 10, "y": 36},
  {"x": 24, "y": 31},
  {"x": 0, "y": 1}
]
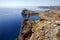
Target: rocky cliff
[{"x": 46, "y": 28}]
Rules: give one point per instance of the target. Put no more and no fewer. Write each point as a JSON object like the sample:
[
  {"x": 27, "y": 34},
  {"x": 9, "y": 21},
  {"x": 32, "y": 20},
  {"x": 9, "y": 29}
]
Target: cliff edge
[{"x": 46, "y": 27}]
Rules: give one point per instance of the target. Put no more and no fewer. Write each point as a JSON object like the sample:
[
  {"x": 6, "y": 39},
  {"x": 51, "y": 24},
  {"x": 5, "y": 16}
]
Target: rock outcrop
[{"x": 46, "y": 28}]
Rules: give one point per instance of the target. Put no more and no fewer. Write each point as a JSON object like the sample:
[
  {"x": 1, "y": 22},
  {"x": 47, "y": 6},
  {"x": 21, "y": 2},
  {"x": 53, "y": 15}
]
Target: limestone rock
[{"x": 46, "y": 28}]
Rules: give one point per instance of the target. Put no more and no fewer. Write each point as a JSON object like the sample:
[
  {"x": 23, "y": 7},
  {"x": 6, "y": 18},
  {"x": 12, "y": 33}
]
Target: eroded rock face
[
  {"x": 27, "y": 13},
  {"x": 58, "y": 34},
  {"x": 46, "y": 28},
  {"x": 26, "y": 30}
]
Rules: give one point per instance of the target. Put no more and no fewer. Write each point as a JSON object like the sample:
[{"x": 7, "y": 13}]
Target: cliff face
[{"x": 46, "y": 28}]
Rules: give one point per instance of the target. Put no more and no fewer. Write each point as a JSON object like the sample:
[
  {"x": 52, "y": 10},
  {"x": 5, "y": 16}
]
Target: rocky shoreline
[{"x": 46, "y": 28}]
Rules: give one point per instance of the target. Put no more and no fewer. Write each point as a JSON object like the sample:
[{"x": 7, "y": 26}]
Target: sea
[{"x": 10, "y": 21}]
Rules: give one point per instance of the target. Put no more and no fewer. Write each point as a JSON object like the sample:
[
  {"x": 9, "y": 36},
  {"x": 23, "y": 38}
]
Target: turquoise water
[{"x": 34, "y": 17}]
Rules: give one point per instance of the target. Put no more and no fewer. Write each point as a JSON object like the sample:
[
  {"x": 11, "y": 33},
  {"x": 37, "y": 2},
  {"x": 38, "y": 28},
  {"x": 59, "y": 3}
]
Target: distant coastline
[{"x": 49, "y": 7}]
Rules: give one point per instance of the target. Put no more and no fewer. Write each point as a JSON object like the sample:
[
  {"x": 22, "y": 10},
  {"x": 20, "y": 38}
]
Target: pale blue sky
[{"x": 19, "y": 3}]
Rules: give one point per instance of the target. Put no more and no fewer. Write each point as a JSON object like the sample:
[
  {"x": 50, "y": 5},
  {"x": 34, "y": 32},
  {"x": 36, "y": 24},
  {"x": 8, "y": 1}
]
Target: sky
[{"x": 22, "y": 3}]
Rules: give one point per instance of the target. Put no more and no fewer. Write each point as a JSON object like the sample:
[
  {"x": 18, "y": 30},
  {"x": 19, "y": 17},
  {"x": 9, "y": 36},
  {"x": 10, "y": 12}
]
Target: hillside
[{"x": 47, "y": 27}]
